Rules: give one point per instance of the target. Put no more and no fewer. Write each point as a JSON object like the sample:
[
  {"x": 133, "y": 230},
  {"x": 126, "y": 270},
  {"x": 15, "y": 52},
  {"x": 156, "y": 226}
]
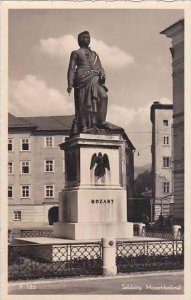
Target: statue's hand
[
  {"x": 69, "y": 89},
  {"x": 102, "y": 76}
]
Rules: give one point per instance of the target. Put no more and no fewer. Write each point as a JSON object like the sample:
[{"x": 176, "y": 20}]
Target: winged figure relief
[{"x": 101, "y": 162}]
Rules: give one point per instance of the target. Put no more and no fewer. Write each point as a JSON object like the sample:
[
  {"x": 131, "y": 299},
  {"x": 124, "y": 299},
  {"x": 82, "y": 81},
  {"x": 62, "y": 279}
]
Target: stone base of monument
[
  {"x": 93, "y": 203},
  {"x": 52, "y": 249},
  {"x": 93, "y": 214},
  {"x": 93, "y": 230}
]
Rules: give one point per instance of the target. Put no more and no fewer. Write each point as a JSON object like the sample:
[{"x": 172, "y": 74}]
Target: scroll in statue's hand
[
  {"x": 69, "y": 89},
  {"x": 102, "y": 78}
]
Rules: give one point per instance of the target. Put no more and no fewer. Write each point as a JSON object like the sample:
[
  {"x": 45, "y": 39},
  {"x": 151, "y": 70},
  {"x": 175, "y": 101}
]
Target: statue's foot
[
  {"x": 104, "y": 125},
  {"x": 96, "y": 129},
  {"x": 85, "y": 129},
  {"x": 92, "y": 130}
]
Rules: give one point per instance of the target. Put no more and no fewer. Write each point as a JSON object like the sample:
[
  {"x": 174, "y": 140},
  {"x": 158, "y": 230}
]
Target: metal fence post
[{"x": 109, "y": 257}]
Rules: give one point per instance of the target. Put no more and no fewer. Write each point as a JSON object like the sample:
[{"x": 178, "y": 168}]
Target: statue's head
[{"x": 84, "y": 39}]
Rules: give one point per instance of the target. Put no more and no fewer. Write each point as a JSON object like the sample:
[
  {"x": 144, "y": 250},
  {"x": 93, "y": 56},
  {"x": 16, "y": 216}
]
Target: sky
[{"x": 133, "y": 53}]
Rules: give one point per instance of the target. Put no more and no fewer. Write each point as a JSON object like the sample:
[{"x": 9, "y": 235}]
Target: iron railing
[
  {"x": 165, "y": 234},
  {"x": 156, "y": 233},
  {"x": 36, "y": 233},
  {"x": 31, "y": 261},
  {"x": 149, "y": 255}
]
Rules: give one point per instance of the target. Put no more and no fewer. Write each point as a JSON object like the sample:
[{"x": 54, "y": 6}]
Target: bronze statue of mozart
[{"x": 87, "y": 77}]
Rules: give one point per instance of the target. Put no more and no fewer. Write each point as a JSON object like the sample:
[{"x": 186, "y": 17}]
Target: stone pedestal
[
  {"x": 176, "y": 231},
  {"x": 91, "y": 207}
]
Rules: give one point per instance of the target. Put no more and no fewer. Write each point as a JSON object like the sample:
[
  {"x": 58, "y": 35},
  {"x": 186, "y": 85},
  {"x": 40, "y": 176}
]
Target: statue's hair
[{"x": 80, "y": 36}]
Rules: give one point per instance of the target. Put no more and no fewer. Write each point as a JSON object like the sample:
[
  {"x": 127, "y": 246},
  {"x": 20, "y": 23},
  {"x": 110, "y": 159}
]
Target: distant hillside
[{"x": 141, "y": 169}]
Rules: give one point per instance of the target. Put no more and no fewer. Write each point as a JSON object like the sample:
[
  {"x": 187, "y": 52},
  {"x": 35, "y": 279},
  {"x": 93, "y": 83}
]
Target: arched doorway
[{"x": 53, "y": 215}]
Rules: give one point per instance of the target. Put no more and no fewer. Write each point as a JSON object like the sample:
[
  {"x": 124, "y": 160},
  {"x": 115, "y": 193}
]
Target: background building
[
  {"x": 176, "y": 33},
  {"x": 36, "y": 168},
  {"x": 161, "y": 149}
]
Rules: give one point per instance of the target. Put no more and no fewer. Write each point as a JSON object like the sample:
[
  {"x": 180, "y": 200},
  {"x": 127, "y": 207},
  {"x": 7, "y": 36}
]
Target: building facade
[
  {"x": 161, "y": 149},
  {"x": 176, "y": 33},
  {"x": 36, "y": 168}
]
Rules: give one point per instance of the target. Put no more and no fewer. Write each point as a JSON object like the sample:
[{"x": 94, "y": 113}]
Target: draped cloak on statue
[{"x": 84, "y": 75}]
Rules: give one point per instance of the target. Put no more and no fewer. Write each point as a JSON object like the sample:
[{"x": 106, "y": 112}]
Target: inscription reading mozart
[{"x": 102, "y": 200}]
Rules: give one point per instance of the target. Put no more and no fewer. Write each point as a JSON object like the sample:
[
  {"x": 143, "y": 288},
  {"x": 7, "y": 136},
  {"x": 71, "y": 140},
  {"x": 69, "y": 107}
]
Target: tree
[
  {"x": 142, "y": 183},
  {"x": 142, "y": 196}
]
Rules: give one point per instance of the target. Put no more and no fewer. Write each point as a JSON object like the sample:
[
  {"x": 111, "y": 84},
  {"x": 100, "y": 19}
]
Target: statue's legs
[
  {"x": 81, "y": 114},
  {"x": 94, "y": 115},
  {"x": 83, "y": 123},
  {"x": 103, "y": 100},
  {"x": 103, "y": 110}
]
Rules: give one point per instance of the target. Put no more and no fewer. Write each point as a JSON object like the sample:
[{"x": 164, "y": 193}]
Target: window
[
  {"x": 10, "y": 191},
  {"x": 10, "y": 144},
  {"x": 166, "y": 162},
  {"x": 49, "y": 191},
  {"x": 10, "y": 168},
  {"x": 49, "y": 142},
  {"x": 166, "y": 140},
  {"x": 49, "y": 166},
  {"x": 25, "y": 167},
  {"x": 165, "y": 122},
  {"x": 17, "y": 215},
  {"x": 25, "y": 191},
  {"x": 166, "y": 187},
  {"x": 25, "y": 145}
]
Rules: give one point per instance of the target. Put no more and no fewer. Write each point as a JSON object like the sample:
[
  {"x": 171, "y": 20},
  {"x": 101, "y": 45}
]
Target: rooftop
[
  {"x": 174, "y": 25},
  {"x": 59, "y": 124},
  {"x": 158, "y": 105}
]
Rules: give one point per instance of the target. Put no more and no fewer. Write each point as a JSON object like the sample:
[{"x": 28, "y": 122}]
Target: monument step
[{"x": 76, "y": 231}]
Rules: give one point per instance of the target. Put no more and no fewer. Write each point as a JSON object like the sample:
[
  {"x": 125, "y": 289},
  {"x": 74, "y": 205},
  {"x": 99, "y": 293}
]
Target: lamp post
[{"x": 151, "y": 207}]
